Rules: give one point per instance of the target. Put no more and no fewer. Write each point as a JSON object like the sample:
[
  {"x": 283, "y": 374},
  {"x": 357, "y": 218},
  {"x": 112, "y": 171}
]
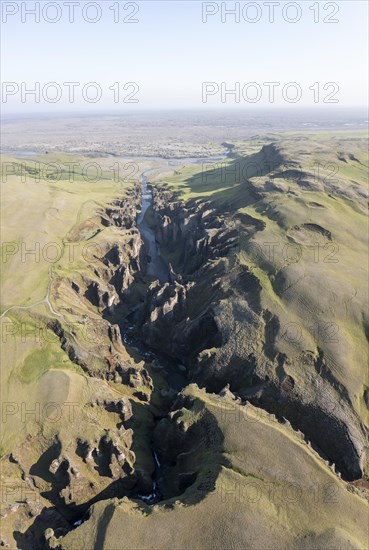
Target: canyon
[{"x": 176, "y": 327}]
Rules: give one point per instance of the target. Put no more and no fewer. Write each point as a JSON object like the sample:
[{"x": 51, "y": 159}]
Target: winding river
[
  {"x": 158, "y": 268},
  {"x": 156, "y": 265}
]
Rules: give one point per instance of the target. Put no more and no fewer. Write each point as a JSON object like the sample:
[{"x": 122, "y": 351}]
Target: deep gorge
[{"x": 175, "y": 295}]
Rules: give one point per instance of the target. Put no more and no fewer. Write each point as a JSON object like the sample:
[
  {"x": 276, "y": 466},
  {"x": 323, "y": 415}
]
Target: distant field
[{"x": 180, "y": 134}]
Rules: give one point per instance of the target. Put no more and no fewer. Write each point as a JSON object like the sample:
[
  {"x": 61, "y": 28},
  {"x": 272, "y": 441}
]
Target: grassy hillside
[
  {"x": 300, "y": 207},
  {"x": 51, "y": 228}
]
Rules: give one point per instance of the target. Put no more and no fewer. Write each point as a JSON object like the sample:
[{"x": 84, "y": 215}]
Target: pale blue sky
[{"x": 171, "y": 52}]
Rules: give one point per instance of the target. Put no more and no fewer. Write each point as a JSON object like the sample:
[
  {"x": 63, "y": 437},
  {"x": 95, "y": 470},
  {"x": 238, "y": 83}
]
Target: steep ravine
[
  {"x": 196, "y": 319},
  {"x": 71, "y": 473},
  {"x": 120, "y": 282},
  {"x": 208, "y": 317}
]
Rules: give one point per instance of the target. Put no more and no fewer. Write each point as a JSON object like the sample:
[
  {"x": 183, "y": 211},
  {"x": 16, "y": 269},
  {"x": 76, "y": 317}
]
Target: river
[
  {"x": 156, "y": 265},
  {"x": 158, "y": 268}
]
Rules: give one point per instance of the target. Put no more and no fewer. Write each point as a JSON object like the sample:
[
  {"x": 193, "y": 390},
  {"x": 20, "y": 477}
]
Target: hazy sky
[{"x": 170, "y": 52}]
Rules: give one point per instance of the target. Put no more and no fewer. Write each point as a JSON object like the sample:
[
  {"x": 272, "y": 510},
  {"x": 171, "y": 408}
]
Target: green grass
[{"x": 41, "y": 360}]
